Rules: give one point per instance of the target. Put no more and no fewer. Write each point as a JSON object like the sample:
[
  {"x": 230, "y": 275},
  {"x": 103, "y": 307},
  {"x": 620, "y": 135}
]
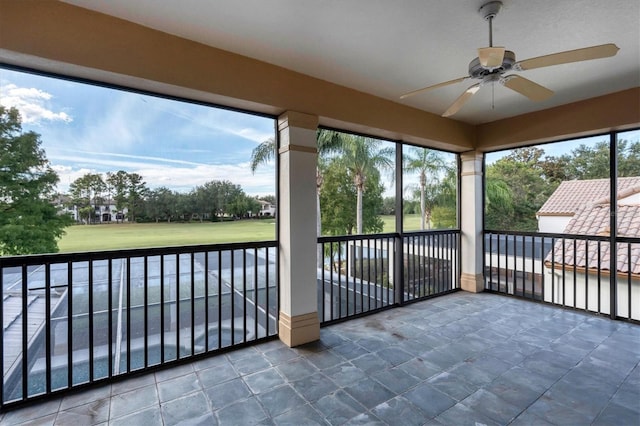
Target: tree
[
  {"x": 87, "y": 192},
  {"x": 362, "y": 157},
  {"x": 339, "y": 200},
  {"x": 29, "y": 222},
  {"x": 428, "y": 164}
]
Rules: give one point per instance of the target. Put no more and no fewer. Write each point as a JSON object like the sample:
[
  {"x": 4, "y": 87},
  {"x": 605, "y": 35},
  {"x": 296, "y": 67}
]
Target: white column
[
  {"x": 298, "y": 320},
  {"x": 471, "y": 222}
]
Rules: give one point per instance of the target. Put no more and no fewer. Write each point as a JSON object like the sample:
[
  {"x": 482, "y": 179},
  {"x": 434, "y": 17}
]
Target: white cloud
[{"x": 32, "y": 103}]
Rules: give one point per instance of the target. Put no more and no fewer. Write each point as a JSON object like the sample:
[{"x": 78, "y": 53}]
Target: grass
[
  {"x": 79, "y": 238},
  {"x": 82, "y": 238}
]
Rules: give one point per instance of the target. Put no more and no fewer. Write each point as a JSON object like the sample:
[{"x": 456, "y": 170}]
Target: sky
[{"x": 90, "y": 129}]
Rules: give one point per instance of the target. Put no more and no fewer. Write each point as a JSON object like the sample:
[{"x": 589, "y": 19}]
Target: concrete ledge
[
  {"x": 298, "y": 330},
  {"x": 472, "y": 283}
]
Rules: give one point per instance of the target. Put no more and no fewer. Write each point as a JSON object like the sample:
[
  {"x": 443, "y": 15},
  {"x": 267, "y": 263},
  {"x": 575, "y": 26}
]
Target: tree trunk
[
  {"x": 319, "y": 253},
  {"x": 423, "y": 213}
]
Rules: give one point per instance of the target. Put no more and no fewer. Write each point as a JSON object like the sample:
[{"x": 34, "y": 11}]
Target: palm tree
[
  {"x": 361, "y": 156},
  {"x": 423, "y": 161},
  {"x": 328, "y": 142}
]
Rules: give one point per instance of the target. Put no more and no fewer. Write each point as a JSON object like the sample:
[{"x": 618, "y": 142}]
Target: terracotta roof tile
[
  {"x": 594, "y": 220},
  {"x": 574, "y": 195}
]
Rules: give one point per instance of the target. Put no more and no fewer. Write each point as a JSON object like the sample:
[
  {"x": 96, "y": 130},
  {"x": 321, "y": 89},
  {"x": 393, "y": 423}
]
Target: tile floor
[{"x": 455, "y": 360}]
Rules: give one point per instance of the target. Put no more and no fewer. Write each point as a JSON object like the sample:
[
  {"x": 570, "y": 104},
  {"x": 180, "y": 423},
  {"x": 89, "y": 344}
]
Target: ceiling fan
[{"x": 493, "y": 63}]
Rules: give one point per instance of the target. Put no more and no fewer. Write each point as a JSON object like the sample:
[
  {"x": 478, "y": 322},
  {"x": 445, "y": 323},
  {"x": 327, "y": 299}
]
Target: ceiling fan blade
[
  {"x": 462, "y": 99},
  {"x": 526, "y": 87},
  {"x": 584, "y": 54},
  {"x": 491, "y": 57},
  {"x": 435, "y": 86}
]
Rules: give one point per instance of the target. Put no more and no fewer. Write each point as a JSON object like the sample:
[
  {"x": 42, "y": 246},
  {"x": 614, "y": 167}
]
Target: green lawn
[{"x": 80, "y": 238}]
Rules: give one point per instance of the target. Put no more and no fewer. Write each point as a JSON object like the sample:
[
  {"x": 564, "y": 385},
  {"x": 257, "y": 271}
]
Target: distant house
[
  {"x": 583, "y": 266},
  {"x": 266, "y": 208},
  {"x": 104, "y": 213},
  {"x": 575, "y": 195}
]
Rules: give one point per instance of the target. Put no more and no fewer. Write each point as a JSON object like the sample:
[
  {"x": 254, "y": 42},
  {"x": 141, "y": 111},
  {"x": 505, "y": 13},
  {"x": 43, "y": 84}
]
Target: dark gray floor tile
[
  {"x": 396, "y": 380},
  {"x": 92, "y": 413},
  {"x": 452, "y": 385},
  {"x": 345, "y": 374},
  {"x": 419, "y": 368},
  {"x": 31, "y": 412},
  {"x": 264, "y": 380},
  {"x": 84, "y": 397},
  {"x": 349, "y": 350},
  {"x": 367, "y": 419},
  {"x": 296, "y": 369},
  {"x": 369, "y": 393},
  {"x": 514, "y": 390},
  {"x": 280, "y": 355},
  {"x": 241, "y": 413},
  {"x": 216, "y": 375},
  {"x": 615, "y": 414},
  {"x": 461, "y": 415},
  {"x": 372, "y": 344},
  {"x": 135, "y": 400},
  {"x": 628, "y": 395},
  {"x": 338, "y": 407},
  {"x": 557, "y": 413},
  {"x": 147, "y": 417},
  {"x": 399, "y": 409},
  {"x": 280, "y": 400},
  {"x": 370, "y": 362},
  {"x": 251, "y": 363},
  {"x": 193, "y": 408},
  {"x": 442, "y": 358},
  {"x": 394, "y": 355},
  {"x": 227, "y": 393},
  {"x": 133, "y": 383},
  {"x": 314, "y": 387},
  {"x": 429, "y": 399},
  {"x": 178, "y": 387},
  {"x": 528, "y": 419},
  {"x": 173, "y": 372},
  {"x": 490, "y": 405},
  {"x": 325, "y": 359},
  {"x": 472, "y": 375},
  {"x": 303, "y": 415}
]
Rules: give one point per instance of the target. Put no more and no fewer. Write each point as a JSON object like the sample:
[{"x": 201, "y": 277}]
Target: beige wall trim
[
  {"x": 472, "y": 283},
  {"x": 298, "y": 148},
  {"x": 616, "y": 111},
  {"x": 300, "y": 329},
  {"x": 470, "y": 173}
]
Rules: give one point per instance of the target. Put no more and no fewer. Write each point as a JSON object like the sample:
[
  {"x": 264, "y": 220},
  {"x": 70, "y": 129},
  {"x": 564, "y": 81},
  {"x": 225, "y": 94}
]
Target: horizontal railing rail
[
  {"x": 569, "y": 270},
  {"x": 360, "y": 274},
  {"x": 74, "y": 319}
]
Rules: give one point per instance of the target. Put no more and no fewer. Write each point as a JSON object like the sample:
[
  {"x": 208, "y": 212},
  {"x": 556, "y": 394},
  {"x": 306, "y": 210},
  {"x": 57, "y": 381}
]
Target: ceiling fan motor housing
[
  {"x": 476, "y": 70},
  {"x": 490, "y": 10}
]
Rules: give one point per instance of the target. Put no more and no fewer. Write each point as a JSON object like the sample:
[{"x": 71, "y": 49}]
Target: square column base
[
  {"x": 472, "y": 283},
  {"x": 298, "y": 330}
]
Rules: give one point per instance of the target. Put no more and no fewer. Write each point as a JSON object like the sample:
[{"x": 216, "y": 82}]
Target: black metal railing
[
  {"x": 430, "y": 263},
  {"x": 565, "y": 269},
  {"x": 360, "y": 274},
  {"x": 69, "y": 320}
]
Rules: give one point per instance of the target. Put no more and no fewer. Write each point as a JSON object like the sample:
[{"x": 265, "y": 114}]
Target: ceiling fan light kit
[{"x": 493, "y": 63}]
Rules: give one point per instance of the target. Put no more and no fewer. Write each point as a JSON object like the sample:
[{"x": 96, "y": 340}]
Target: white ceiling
[{"x": 387, "y": 48}]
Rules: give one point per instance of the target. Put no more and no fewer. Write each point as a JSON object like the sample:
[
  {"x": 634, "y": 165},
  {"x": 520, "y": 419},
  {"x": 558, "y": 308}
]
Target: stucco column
[
  {"x": 471, "y": 222},
  {"x": 298, "y": 320}
]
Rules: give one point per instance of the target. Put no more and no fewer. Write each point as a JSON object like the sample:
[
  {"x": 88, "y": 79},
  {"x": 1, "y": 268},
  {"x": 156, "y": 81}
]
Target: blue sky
[{"x": 85, "y": 128}]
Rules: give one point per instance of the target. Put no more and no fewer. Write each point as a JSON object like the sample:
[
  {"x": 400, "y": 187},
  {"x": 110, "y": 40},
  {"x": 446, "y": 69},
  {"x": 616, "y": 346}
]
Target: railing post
[{"x": 613, "y": 226}]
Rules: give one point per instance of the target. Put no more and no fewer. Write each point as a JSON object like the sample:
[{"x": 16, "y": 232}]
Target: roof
[
  {"x": 594, "y": 220},
  {"x": 575, "y": 195}
]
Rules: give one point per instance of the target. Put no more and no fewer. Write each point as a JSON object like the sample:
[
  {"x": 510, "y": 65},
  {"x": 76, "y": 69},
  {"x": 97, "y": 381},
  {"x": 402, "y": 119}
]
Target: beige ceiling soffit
[
  {"x": 72, "y": 36},
  {"x": 616, "y": 111}
]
